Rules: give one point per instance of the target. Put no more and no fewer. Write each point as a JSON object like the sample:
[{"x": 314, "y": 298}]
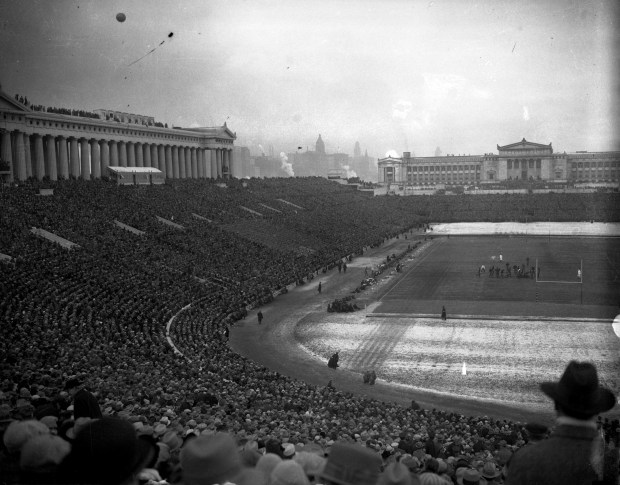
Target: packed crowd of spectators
[
  {"x": 79, "y": 112},
  {"x": 100, "y": 313}
]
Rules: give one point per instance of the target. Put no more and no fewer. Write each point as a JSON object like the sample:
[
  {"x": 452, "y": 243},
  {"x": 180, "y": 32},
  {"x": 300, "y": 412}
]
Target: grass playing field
[
  {"x": 447, "y": 274},
  {"x": 502, "y": 337}
]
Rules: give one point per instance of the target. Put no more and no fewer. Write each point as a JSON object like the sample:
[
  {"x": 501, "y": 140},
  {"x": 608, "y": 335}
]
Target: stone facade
[
  {"x": 524, "y": 160},
  {"x": 50, "y": 145}
]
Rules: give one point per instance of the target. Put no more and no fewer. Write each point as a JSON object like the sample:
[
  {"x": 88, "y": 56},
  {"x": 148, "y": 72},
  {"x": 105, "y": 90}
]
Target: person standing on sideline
[
  {"x": 320, "y": 287},
  {"x": 571, "y": 454},
  {"x": 85, "y": 405},
  {"x": 260, "y": 317},
  {"x": 443, "y": 313}
]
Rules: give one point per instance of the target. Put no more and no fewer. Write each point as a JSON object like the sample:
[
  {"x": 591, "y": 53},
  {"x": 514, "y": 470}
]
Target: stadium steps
[
  {"x": 170, "y": 223},
  {"x": 280, "y": 239},
  {"x": 65, "y": 243},
  {"x": 270, "y": 208},
  {"x": 129, "y": 228},
  {"x": 196, "y": 216},
  {"x": 290, "y": 203},
  {"x": 251, "y": 211}
]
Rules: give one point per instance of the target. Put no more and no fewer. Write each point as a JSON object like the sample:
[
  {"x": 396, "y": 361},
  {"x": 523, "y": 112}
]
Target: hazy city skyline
[{"x": 393, "y": 75}]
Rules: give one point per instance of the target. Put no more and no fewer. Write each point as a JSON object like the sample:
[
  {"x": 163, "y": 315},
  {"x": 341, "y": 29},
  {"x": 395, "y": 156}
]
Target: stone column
[
  {"x": 74, "y": 158},
  {"x": 213, "y": 153},
  {"x": 113, "y": 153},
  {"x": 30, "y": 171},
  {"x": 199, "y": 163},
  {"x": 231, "y": 166},
  {"x": 161, "y": 159},
  {"x": 95, "y": 159},
  {"x": 6, "y": 155},
  {"x": 175, "y": 162},
  {"x": 182, "y": 173},
  {"x": 139, "y": 155},
  {"x": 131, "y": 154},
  {"x": 146, "y": 151},
  {"x": 188, "y": 162},
  {"x": 50, "y": 150},
  {"x": 85, "y": 158},
  {"x": 104, "y": 150},
  {"x": 228, "y": 158},
  {"x": 39, "y": 157},
  {"x": 194, "y": 159},
  {"x": 154, "y": 156},
  {"x": 169, "y": 170},
  {"x": 63, "y": 158},
  {"x": 219, "y": 162},
  {"x": 20, "y": 156},
  {"x": 122, "y": 154}
]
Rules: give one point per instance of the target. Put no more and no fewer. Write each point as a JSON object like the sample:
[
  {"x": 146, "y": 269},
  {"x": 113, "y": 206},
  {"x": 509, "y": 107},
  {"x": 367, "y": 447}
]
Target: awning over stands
[{"x": 136, "y": 175}]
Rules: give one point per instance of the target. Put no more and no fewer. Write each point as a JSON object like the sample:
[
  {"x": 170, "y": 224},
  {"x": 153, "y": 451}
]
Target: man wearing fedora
[
  {"x": 85, "y": 405},
  {"x": 570, "y": 455}
]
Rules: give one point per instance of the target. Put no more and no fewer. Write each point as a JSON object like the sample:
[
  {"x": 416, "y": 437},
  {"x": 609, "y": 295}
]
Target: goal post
[{"x": 565, "y": 282}]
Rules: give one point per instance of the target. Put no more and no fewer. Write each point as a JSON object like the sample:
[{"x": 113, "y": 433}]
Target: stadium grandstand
[{"x": 129, "y": 294}]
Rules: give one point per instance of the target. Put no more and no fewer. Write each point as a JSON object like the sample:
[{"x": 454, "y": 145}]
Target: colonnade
[{"x": 40, "y": 155}]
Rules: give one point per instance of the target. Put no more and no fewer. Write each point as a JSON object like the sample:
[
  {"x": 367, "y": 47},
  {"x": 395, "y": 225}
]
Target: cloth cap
[
  {"x": 350, "y": 464},
  {"x": 288, "y": 450},
  {"x": 267, "y": 463},
  {"x": 395, "y": 474},
  {"x": 107, "y": 451},
  {"x": 312, "y": 463},
  {"x": 214, "y": 458},
  {"x": 19, "y": 432},
  {"x": 430, "y": 478},
  {"x": 43, "y": 453},
  {"x": 490, "y": 471},
  {"x": 288, "y": 472}
]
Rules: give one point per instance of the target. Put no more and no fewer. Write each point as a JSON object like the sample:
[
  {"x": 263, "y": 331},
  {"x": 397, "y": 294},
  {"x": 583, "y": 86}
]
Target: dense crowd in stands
[
  {"x": 79, "y": 112},
  {"x": 96, "y": 316}
]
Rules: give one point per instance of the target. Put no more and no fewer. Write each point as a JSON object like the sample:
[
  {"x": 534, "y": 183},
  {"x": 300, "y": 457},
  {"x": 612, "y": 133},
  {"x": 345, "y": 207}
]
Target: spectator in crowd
[
  {"x": 85, "y": 405},
  {"x": 568, "y": 455}
]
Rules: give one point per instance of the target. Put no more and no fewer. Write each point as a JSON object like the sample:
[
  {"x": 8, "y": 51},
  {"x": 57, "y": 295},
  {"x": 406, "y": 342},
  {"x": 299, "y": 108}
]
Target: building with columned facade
[
  {"x": 56, "y": 146},
  {"x": 521, "y": 161}
]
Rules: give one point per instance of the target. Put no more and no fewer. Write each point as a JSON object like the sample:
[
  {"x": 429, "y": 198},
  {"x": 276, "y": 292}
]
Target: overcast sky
[{"x": 393, "y": 75}]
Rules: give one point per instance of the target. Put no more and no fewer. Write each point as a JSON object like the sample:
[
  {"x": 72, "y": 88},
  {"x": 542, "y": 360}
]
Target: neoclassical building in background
[
  {"x": 524, "y": 160},
  {"x": 53, "y": 145}
]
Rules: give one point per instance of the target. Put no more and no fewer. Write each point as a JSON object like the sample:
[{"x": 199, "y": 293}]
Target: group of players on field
[{"x": 498, "y": 271}]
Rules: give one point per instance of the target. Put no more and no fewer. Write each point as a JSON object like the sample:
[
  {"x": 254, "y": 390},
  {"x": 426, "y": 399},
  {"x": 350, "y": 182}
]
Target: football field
[
  {"x": 502, "y": 337},
  {"x": 447, "y": 274}
]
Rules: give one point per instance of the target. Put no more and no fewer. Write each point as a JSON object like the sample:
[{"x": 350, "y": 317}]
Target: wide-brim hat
[
  {"x": 490, "y": 471},
  {"x": 579, "y": 391},
  {"x": 350, "y": 464},
  {"x": 108, "y": 451},
  {"x": 215, "y": 459}
]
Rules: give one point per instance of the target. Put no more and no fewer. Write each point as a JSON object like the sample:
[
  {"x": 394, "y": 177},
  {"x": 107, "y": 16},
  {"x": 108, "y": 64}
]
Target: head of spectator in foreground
[
  {"x": 211, "y": 459},
  {"x": 350, "y": 464},
  {"x": 72, "y": 386},
  {"x": 536, "y": 431},
  {"x": 19, "y": 433},
  {"x": 578, "y": 394},
  {"x": 107, "y": 451}
]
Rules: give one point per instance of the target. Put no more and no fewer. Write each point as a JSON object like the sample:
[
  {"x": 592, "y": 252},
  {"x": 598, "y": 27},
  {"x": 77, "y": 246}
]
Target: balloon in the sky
[
  {"x": 616, "y": 326},
  {"x": 121, "y": 17}
]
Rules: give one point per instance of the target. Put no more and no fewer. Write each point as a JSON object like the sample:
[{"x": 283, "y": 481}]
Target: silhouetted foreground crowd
[{"x": 91, "y": 391}]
